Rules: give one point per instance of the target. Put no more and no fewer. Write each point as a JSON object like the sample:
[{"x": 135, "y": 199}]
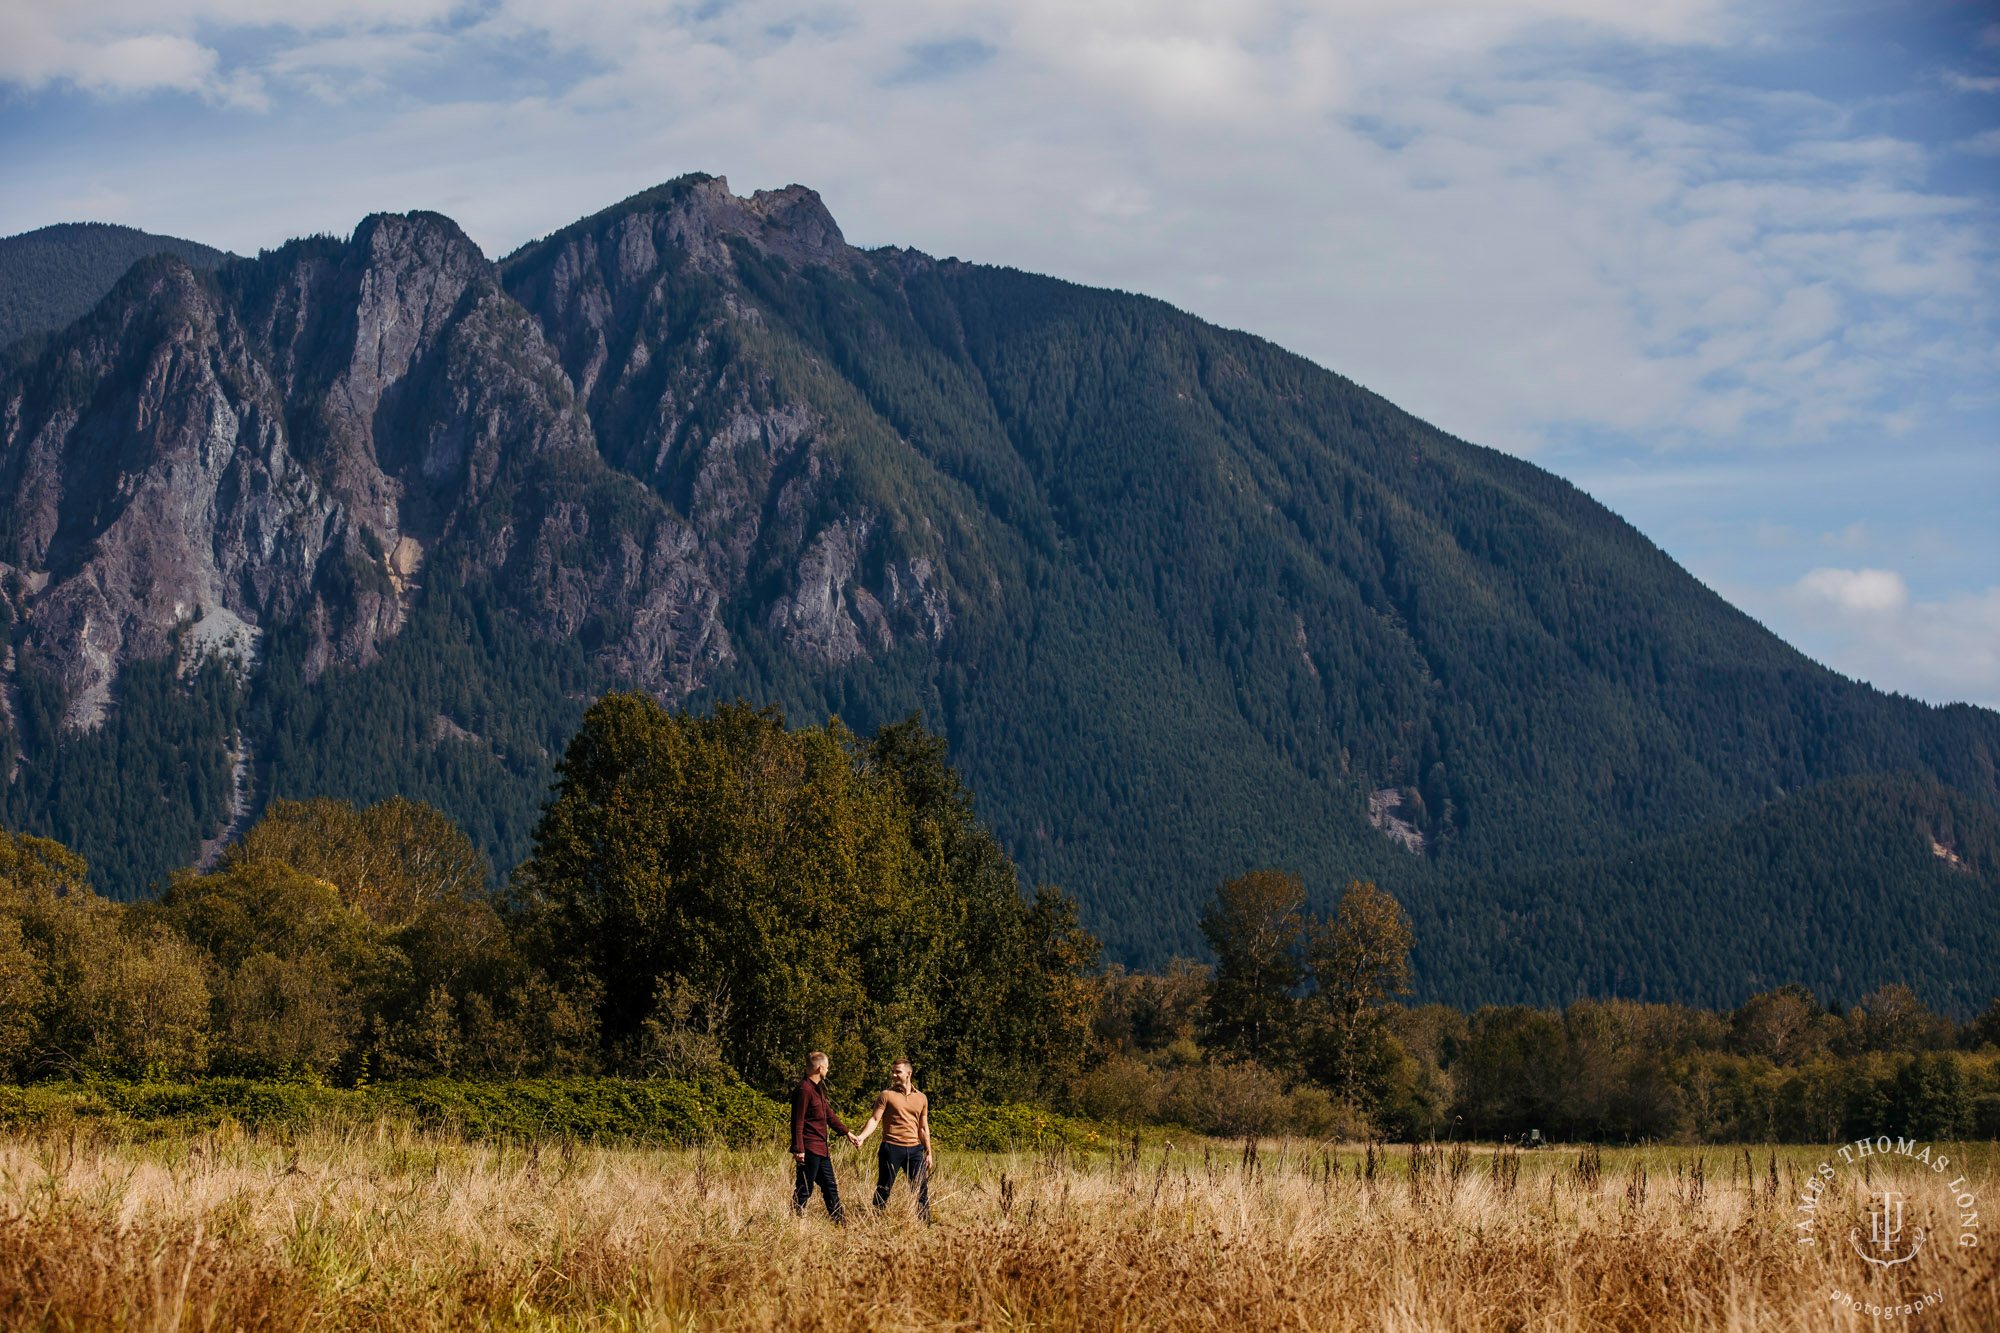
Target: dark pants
[
  {"x": 892, "y": 1159},
  {"x": 817, "y": 1170}
]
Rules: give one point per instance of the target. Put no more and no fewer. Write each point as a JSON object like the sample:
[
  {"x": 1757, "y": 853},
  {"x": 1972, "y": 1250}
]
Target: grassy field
[{"x": 389, "y": 1227}]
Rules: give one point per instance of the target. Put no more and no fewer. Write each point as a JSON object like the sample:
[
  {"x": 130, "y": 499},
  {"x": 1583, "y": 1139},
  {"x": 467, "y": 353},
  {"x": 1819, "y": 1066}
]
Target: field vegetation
[
  {"x": 375, "y": 1225},
  {"x": 631, "y": 1112}
]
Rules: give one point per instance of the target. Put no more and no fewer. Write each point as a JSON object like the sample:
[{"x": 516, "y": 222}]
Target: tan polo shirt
[{"x": 900, "y": 1113}]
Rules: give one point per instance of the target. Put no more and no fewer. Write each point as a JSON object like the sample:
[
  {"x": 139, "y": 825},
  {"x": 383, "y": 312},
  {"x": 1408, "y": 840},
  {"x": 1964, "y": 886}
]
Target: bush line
[{"x": 663, "y": 1112}]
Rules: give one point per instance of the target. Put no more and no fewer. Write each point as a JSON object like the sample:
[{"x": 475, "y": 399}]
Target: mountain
[
  {"x": 378, "y": 515},
  {"x": 1843, "y": 887},
  {"x": 52, "y": 275}
]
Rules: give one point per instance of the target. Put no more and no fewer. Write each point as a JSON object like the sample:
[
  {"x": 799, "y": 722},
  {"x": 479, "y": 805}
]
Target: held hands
[{"x": 854, "y": 1138}]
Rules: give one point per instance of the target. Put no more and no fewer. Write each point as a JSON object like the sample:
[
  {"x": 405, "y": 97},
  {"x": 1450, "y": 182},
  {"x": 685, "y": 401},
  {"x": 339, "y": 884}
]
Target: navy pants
[
  {"x": 817, "y": 1170},
  {"x": 910, "y": 1161}
]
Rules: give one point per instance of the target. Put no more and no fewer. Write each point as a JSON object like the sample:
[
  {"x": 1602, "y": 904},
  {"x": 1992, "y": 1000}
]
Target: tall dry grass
[{"x": 390, "y": 1229}]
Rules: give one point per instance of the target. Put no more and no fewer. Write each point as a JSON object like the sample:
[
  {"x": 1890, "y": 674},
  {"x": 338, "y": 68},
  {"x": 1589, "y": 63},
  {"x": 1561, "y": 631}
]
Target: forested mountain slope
[
  {"x": 1183, "y": 603},
  {"x": 52, "y": 275},
  {"x": 1843, "y": 887}
]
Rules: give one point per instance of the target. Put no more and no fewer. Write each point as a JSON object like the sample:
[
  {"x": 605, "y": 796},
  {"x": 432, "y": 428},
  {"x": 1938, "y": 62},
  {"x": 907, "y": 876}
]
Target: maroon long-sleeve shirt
[{"x": 811, "y": 1114}]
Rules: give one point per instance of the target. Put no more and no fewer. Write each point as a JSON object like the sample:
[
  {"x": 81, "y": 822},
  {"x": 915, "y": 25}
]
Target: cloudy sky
[{"x": 1731, "y": 267}]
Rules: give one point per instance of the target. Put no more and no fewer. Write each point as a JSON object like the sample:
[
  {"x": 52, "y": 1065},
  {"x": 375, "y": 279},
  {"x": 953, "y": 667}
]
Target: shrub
[
  {"x": 281, "y": 1014},
  {"x": 650, "y": 1111},
  {"x": 20, "y": 993},
  {"x": 1124, "y": 1090},
  {"x": 974, "y": 1128},
  {"x": 145, "y": 1005},
  {"x": 658, "y": 1111},
  {"x": 1314, "y": 1113},
  {"x": 1228, "y": 1100}
]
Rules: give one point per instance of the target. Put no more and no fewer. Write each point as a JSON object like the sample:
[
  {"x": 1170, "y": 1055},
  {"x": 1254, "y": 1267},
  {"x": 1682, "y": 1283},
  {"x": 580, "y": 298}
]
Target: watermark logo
[
  {"x": 1894, "y": 1199},
  {"x": 1885, "y": 1232},
  {"x": 1924, "y": 1304},
  {"x": 1893, "y": 1235}
]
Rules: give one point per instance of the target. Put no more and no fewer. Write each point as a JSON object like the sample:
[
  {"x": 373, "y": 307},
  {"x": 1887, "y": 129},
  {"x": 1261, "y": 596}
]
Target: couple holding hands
[{"x": 905, "y": 1117}]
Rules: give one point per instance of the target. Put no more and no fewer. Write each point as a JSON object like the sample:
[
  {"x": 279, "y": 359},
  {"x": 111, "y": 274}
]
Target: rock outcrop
[
  {"x": 688, "y": 391},
  {"x": 308, "y": 437}
]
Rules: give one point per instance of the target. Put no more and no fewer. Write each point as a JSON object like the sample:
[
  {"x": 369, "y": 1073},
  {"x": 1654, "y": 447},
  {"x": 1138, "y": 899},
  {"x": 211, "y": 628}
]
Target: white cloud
[
  {"x": 128, "y": 47},
  {"x": 1448, "y": 200},
  {"x": 133, "y": 64},
  {"x": 120, "y": 66},
  {"x": 1871, "y": 626},
  {"x": 1868, "y": 592}
]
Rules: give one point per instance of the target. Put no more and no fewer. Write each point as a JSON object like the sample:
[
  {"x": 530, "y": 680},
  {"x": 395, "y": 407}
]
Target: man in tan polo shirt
[{"x": 905, "y": 1117}]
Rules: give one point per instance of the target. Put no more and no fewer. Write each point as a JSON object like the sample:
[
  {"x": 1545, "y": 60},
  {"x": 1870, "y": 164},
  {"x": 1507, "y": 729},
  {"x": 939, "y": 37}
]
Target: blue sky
[{"x": 1730, "y": 267}]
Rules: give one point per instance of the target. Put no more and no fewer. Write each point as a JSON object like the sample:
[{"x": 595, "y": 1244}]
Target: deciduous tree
[
  {"x": 1255, "y": 925},
  {"x": 1359, "y": 958}
]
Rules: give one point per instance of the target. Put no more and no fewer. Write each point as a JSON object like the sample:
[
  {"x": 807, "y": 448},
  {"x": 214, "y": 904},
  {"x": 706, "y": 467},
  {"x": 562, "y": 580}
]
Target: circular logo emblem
[
  {"x": 1889, "y": 1240},
  {"x": 1890, "y": 1201}
]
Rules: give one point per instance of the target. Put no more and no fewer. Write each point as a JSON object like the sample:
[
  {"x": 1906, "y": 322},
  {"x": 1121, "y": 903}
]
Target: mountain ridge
[
  {"x": 53, "y": 275},
  {"x": 1179, "y": 599}
]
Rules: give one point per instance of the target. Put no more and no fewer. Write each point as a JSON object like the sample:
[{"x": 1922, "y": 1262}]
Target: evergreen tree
[{"x": 841, "y": 895}]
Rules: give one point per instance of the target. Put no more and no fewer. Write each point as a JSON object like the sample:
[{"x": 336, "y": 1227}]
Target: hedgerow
[{"x": 601, "y": 1110}]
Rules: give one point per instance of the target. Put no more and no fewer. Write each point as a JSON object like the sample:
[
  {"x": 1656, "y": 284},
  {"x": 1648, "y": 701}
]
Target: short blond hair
[{"x": 817, "y": 1060}]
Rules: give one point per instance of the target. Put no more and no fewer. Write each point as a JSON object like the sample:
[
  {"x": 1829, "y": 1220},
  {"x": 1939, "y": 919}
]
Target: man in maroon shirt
[{"x": 812, "y": 1113}]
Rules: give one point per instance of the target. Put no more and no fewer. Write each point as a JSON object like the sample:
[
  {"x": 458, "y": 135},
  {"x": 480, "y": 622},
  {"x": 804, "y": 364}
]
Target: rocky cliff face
[
  {"x": 306, "y": 437},
  {"x": 686, "y": 385},
  {"x": 155, "y": 498}
]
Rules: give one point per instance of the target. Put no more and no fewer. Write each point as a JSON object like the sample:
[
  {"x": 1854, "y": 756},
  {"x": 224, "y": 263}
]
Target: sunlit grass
[{"x": 385, "y": 1227}]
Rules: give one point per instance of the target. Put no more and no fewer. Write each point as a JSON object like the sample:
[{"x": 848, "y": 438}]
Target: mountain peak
[
  {"x": 796, "y": 223},
  {"x": 696, "y": 212},
  {"x": 434, "y": 234}
]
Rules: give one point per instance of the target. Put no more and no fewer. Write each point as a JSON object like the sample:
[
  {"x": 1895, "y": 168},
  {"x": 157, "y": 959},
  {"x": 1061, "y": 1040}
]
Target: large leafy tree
[
  {"x": 1007, "y": 982},
  {"x": 81, "y": 986},
  {"x": 1359, "y": 958},
  {"x": 366, "y": 939},
  {"x": 826, "y": 892},
  {"x": 414, "y": 874},
  {"x": 297, "y": 972}
]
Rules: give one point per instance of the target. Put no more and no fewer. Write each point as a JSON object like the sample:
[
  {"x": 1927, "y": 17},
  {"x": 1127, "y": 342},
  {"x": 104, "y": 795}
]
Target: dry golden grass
[{"x": 389, "y": 1229}]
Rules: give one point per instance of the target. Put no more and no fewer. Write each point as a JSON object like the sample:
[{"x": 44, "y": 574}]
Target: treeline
[
  {"x": 711, "y": 895},
  {"x": 708, "y": 898},
  {"x": 1293, "y": 1030},
  {"x": 1841, "y": 887}
]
